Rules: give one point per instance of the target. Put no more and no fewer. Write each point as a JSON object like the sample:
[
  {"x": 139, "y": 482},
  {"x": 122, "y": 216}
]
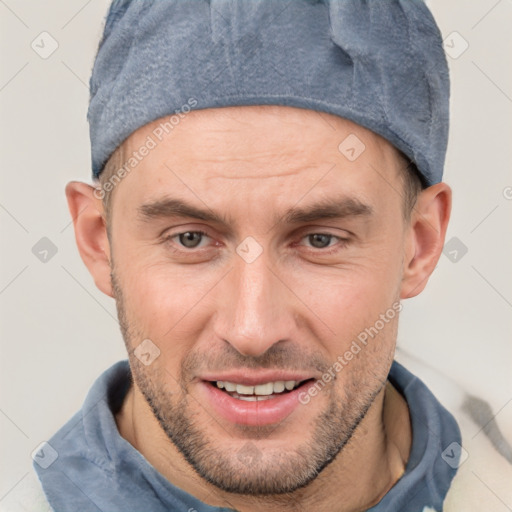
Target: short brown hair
[{"x": 412, "y": 183}]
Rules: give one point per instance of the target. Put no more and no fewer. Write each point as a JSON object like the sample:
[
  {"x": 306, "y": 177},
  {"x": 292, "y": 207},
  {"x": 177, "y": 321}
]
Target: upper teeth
[{"x": 261, "y": 389}]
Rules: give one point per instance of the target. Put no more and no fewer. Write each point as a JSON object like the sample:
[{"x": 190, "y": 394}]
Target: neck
[{"x": 362, "y": 473}]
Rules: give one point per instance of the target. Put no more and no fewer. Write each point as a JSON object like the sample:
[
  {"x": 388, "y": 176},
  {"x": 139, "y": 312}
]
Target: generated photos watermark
[
  {"x": 157, "y": 135},
  {"x": 356, "y": 346}
]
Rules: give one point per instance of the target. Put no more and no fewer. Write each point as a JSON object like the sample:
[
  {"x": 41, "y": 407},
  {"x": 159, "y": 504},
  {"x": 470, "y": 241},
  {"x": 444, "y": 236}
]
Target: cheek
[
  {"x": 352, "y": 295},
  {"x": 359, "y": 303},
  {"x": 161, "y": 298}
]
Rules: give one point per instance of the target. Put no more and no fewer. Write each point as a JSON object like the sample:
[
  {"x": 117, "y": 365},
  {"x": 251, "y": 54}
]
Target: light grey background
[{"x": 58, "y": 332}]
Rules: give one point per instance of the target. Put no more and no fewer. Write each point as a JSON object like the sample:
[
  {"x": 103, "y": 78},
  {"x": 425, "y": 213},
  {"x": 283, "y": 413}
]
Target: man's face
[{"x": 271, "y": 292}]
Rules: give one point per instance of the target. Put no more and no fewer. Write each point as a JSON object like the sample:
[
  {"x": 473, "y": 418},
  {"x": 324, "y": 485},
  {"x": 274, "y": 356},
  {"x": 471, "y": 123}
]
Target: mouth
[
  {"x": 253, "y": 403},
  {"x": 260, "y": 392}
]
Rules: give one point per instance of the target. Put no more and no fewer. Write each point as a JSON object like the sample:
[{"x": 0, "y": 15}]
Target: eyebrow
[{"x": 332, "y": 208}]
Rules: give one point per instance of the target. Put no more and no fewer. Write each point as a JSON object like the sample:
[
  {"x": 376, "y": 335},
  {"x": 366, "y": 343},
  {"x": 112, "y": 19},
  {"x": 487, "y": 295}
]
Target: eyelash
[
  {"x": 169, "y": 238},
  {"x": 326, "y": 251},
  {"x": 342, "y": 243}
]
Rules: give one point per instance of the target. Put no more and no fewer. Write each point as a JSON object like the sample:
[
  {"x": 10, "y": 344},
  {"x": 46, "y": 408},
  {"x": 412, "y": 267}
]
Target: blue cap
[{"x": 378, "y": 63}]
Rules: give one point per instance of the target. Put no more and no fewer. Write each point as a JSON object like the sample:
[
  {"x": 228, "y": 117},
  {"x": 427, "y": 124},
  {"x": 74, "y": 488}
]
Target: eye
[
  {"x": 321, "y": 240},
  {"x": 189, "y": 239}
]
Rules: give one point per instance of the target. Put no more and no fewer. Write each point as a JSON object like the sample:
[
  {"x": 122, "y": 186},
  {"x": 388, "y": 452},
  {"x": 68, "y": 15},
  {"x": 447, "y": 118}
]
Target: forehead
[{"x": 255, "y": 151}]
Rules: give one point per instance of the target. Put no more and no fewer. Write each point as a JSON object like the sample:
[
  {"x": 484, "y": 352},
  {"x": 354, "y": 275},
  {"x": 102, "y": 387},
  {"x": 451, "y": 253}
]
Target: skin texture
[{"x": 297, "y": 306}]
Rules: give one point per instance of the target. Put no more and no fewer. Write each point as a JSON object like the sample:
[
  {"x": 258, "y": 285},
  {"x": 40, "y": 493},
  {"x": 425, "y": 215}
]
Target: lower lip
[{"x": 255, "y": 413}]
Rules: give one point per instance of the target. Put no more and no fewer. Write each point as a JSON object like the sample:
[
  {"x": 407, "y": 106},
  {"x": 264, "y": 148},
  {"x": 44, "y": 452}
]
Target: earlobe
[
  {"x": 90, "y": 232},
  {"x": 425, "y": 240}
]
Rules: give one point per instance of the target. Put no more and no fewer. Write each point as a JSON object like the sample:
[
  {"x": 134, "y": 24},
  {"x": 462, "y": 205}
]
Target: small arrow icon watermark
[
  {"x": 44, "y": 250},
  {"x": 248, "y": 454},
  {"x": 454, "y": 455},
  {"x": 455, "y": 249},
  {"x": 249, "y": 249},
  {"x": 146, "y": 352},
  {"x": 455, "y": 45},
  {"x": 351, "y": 147},
  {"x": 44, "y": 45},
  {"x": 44, "y": 455}
]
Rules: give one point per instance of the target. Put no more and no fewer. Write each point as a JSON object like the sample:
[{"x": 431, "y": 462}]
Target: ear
[
  {"x": 425, "y": 239},
  {"x": 90, "y": 232}
]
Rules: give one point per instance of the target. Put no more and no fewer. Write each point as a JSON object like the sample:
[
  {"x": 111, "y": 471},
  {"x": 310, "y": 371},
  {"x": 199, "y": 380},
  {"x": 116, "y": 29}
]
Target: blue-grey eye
[
  {"x": 190, "y": 239},
  {"x": 319, "y": 240}
]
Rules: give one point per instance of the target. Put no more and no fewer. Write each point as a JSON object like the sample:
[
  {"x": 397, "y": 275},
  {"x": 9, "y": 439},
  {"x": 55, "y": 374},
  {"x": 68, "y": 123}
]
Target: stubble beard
[{"x": 248, "y": 469}]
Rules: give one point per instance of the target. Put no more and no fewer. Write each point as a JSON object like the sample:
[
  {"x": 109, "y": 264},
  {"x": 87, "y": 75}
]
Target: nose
[{"x": 257, "y": 308}]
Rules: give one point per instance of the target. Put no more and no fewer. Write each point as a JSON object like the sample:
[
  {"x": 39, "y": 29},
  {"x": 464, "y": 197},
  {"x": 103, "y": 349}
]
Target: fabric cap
[{"x": 378, "y": 63}]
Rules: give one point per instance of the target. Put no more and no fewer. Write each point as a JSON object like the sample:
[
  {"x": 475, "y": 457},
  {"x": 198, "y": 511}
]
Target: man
[{"x": 268, "y": 191}]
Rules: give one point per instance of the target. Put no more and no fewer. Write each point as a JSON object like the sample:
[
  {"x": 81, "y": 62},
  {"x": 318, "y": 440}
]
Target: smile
[
  {"x": 253, "y": 404},
  {"x": 259, "y": 392}
]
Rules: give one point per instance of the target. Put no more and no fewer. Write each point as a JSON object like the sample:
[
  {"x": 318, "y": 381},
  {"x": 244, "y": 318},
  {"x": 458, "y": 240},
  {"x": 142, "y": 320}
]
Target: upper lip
[{"x": 253, "y": 378}]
